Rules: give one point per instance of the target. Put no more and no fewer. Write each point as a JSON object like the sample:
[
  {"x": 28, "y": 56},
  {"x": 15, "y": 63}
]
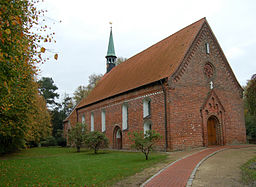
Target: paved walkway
[{"x": 178, "y": 173}]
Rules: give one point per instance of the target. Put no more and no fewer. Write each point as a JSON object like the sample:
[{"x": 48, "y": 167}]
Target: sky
[{"x": 82, "y": 36}]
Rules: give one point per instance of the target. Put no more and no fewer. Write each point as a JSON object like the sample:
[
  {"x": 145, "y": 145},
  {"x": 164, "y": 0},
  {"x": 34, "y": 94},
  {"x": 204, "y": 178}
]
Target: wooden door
[{"x": 211, "y": 128}]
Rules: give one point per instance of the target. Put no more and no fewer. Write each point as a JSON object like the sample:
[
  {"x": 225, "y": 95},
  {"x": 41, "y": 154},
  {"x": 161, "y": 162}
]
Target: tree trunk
[
  {"x": 146, "y": 156},
  {"x": 78, "y": 148}
]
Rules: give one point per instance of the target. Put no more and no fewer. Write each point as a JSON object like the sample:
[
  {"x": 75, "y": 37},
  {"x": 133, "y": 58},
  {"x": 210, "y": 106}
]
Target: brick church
[{"x": 182, "y": 87}]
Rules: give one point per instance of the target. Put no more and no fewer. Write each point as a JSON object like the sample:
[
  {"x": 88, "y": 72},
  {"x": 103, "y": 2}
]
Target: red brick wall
[
  {"x": 113, "y": 109},
  {"x": 190, "y": 88}
]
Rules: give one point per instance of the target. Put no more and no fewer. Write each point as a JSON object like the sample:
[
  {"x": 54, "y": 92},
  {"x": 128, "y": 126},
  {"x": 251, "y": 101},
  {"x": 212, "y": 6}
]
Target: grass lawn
[
  {"x": 249, "y": 171},
  {"x": 63, "y": 166}
]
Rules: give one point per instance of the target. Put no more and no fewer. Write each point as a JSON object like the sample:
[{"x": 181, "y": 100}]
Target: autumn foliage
[{"x": 23, "y": 113}]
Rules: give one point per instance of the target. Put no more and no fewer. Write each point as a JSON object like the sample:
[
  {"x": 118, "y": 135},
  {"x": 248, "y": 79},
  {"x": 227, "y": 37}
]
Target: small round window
[{"x": 208, "y": 70}]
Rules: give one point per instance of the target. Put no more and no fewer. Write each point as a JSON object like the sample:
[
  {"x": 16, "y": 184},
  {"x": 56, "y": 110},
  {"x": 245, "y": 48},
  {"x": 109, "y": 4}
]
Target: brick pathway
[{"x": 178, "y": 173}]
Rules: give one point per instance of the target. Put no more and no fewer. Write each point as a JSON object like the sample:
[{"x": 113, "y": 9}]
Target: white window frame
[
  {"x": 83, "y": 122},
  {"x": 83, "y": 119},
  {"x": 125, "y": 116},
  {"x": 103, "y": 120},
  {"x": 92, "y": 122},
  {"x": 146, "y": 107},
  {"x": 207, "y": 46},
  {"x": 147, "y": 126}
]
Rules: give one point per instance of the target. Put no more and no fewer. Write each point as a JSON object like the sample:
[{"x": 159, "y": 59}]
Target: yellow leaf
[
  {"x": 8, "y": 31},
  {"x": 56, "y": 56},
  {"x": 42, "y": 49}
]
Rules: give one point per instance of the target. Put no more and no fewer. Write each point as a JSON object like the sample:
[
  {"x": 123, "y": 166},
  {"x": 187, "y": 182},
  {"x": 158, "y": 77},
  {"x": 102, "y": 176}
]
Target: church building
[{"x": 182, "y": 87}]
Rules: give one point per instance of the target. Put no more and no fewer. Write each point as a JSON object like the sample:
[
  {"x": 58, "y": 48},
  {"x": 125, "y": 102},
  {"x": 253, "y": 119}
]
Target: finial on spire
[{"x": 110, "y": 24}]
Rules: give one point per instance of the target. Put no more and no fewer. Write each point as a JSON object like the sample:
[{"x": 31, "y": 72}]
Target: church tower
[{"x": 111, "y": 56}]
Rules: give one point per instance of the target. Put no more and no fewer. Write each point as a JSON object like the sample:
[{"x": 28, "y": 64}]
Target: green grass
[
  {"x": 249, "y": 174},
  {"x": 64, "y": 167}
]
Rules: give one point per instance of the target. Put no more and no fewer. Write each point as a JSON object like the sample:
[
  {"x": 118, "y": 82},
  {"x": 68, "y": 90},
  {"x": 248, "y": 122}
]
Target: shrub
[
  {"x": 144, "y": 142},
  {"x": 76, "y": 135},
  {"x": 49, "y": 141},
  {"x": 96, "y": 140},
  {"x": 61, "y": 141}
]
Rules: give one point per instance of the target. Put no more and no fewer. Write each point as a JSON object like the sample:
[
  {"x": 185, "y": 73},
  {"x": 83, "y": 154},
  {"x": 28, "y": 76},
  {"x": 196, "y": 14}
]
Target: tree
[
  {"x": 120, "y": 60},
  {"x": 80, "y": 93},
  {"x": 76, "y": 135},
  {"x": 93, "y": 80},
  {"x": 250, "y": 107},
  {"x": 57, "y": 117},
  {"x": 20, "y": 53},
  {"x": 48, "y": 90},
  {"x": 144, "y": 142},
  {"x": 83, "y": 91},
  {"x": 40, "y": 120},
  {"x": 96, "y": 140},
  {"x": 67, "y": 105},
  {"x": 250, "y": 95},
  {"x": 58, "y": 114}
]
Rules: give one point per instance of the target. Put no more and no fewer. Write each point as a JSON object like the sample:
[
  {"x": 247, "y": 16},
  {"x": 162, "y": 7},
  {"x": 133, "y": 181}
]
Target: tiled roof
[{"x": 155, "y": 63}]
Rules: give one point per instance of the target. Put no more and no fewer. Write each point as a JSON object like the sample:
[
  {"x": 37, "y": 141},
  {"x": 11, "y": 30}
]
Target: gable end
[{"x": 205, "y": 30}]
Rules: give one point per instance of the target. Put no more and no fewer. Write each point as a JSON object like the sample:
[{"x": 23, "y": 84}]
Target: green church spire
[
  {"x": 111, "y": 56},
  {"x": 111, "y": 48}
]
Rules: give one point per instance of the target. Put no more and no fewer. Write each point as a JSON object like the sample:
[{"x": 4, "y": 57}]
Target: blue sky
[{"x": 82, "y": 36}]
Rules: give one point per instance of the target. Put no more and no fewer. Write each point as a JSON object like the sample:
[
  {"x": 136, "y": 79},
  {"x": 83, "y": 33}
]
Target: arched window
[
  {"x": 103, "y": 120},
  {"x": 125, "y": 116},
  {"x": 92, "y": 121},
  {"x": 83, "y": 122},
  {"x": 147, "y": 126},
  {"x": 83, "y": 119},
  {"x": 146, "y": 107},
  {"x": 207, "y": 47}
]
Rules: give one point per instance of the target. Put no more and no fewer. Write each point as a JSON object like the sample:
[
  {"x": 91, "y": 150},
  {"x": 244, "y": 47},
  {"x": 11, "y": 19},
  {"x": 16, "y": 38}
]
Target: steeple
[{"x": 111, "y": 56}]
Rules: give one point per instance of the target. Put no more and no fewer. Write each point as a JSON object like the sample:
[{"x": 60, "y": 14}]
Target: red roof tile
[{"x": 155, "y": 63}]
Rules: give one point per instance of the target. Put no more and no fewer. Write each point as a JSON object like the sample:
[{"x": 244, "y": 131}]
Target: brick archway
[
  {"x": 213, "y": 112},
  {"x": 117, "y": 138}
]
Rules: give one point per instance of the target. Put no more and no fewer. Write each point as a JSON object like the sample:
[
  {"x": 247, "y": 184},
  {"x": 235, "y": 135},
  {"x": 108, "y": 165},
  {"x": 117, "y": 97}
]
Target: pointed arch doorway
[
  {"x": 213, "y": 131},
  {"x": 117, "y": 138}
]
